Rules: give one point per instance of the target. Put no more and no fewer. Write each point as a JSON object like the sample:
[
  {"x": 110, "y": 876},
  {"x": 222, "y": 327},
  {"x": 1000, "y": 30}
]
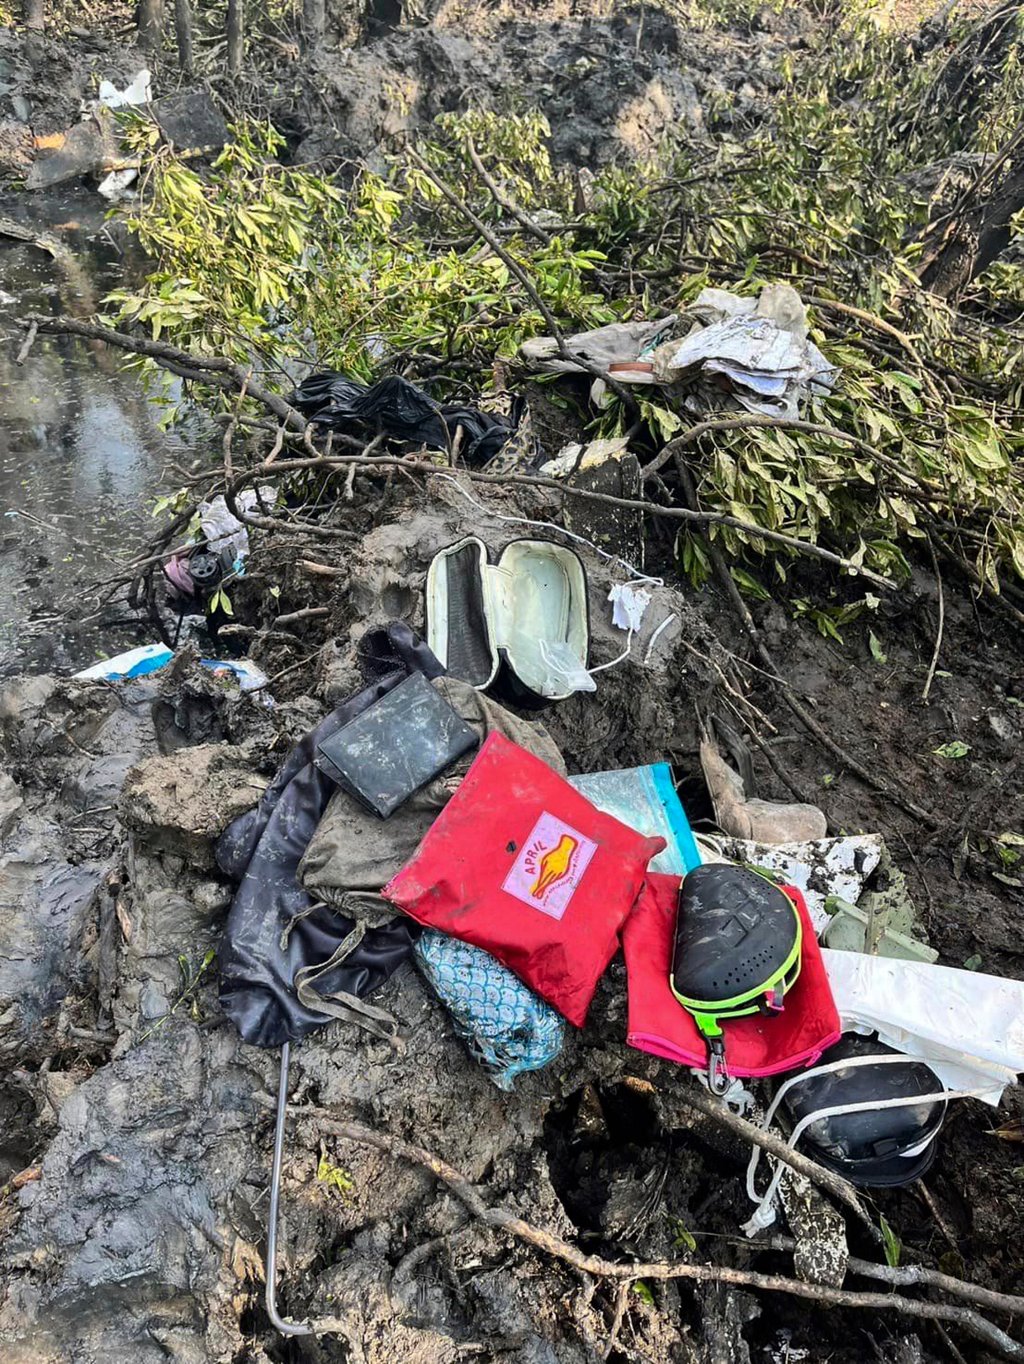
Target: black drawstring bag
[{"x": 274, "y": 929}]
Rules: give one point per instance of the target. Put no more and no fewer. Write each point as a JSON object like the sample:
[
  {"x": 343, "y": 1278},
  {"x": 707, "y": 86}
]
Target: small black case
[{"x": 396, "y": 746}]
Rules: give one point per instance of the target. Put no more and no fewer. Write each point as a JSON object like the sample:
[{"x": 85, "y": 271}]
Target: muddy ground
[
  {"x": 613, "y": 80},
  {"x": 148, "y": 1123},
  {"x": 135, "y": 1127}
]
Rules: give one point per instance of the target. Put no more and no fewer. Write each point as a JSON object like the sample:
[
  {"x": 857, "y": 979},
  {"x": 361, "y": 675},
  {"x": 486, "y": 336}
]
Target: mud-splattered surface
[{"x": 151, "y": 1122}]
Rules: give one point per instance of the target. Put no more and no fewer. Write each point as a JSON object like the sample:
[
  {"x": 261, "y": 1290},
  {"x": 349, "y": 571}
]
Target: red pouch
[
  {"x": 757, "y": 1045},
  {"x": 522, "y": 865}
]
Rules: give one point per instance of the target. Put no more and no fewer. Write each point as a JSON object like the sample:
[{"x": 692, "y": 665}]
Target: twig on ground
[
  {"x": 694, "y": 1097},
  {"x": 699, "y": 518},
  {"x": 501, "y": 1219},
  {"x": 307, "y": 613},
  {"x": 880, "y": 324},
  {"x": 18, "y": 1181},
  {"x": 503, "y": 200},
  {"x": 725, "y": 578},
  {"x": 320, "y": 570},
  {"x": 524, "y": 279},
  {"x": 621, "y": 1298},
  {"x": 911, "y": 1276},
  {"x": 27, "y": 344},
  {"x": 941, "y": 1221}
]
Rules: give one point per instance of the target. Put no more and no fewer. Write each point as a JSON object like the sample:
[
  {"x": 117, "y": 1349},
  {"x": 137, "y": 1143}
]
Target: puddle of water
[{"x": 81, "y": 456}]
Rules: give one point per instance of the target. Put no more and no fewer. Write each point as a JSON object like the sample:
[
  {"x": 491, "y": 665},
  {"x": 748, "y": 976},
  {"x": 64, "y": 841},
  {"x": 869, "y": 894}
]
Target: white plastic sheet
[{"x": 967, "y": 1026}]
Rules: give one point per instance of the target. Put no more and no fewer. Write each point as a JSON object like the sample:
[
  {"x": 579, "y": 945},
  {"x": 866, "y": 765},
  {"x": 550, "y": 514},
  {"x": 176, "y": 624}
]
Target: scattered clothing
[
  {"x": 403, "y": 411},
  {"x": 274, "y": 930}
]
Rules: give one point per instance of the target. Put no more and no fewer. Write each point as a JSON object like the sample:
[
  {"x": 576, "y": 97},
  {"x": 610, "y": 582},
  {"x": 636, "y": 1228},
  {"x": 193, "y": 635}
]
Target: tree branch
[{"x": 501, "y": 1219}]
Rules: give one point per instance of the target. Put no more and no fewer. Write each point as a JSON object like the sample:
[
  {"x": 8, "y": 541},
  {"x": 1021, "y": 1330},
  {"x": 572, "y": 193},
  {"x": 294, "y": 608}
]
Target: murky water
[{"x": 81, "y": 456}]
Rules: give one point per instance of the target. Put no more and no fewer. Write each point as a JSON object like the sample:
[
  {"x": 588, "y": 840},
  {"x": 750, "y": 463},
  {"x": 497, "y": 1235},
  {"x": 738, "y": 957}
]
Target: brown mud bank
[{"x": 137, "y": 1127}]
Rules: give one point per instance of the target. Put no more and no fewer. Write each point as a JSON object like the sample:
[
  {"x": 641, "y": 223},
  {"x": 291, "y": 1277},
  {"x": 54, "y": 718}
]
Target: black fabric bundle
[
  {"x": 403, "y": 411},
  {"x": 262, "y": 850}
]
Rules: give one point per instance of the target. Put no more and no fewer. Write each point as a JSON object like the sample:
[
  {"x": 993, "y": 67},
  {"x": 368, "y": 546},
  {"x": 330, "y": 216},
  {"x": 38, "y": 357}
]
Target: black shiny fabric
[
  {"x": 400, "y": 409},
  {"x": 262, "y": 850}
]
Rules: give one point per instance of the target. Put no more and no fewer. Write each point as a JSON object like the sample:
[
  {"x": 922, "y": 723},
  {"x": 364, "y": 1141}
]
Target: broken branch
[{"x": 501, "y": 1219}]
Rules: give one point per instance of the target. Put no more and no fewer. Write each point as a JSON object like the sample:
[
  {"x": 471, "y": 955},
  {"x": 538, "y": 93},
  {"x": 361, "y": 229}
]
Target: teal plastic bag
[
  {"x": 645, "y": 799},
  {"x": 505, "y": 1025}
]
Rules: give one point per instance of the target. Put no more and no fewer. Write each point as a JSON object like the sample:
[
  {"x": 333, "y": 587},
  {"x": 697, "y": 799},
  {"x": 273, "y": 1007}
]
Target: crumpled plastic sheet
[
  {"x": 820, "y": 868},
  {"x": 405, "y": 412},
  {"x": 754, "y": 354},
  {"x": 968, "y": 1026},
  {"x": 505, "y": 1025},
  {"x": 221, "y": 528}
]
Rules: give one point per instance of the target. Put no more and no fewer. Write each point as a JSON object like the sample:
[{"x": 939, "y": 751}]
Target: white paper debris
[
  {"x": 628, "y": 605},
  {"x": 138, "y": 91}
]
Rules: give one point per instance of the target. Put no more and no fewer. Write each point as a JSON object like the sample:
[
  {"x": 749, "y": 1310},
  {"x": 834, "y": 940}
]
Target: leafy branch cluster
[{"x": 281, "y": 269}]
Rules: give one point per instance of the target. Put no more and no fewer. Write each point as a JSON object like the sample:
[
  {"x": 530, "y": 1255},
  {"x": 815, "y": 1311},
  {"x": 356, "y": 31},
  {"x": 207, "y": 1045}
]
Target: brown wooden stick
[
  {"x": 700, "y": 518},
  {"x": 910, "y": 1276},
  {"x": 27, "y": 344},
  {"x": 550, "y": 1244}
]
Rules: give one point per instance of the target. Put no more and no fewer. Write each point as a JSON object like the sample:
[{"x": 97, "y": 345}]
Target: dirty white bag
[{"x": 967, "y": 1026}]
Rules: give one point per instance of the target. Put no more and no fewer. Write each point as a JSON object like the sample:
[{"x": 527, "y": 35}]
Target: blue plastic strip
[{"x": 675, "y": 814}]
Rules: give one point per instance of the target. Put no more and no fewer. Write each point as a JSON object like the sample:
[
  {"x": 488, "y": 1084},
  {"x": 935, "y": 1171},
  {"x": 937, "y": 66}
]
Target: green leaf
[
  {"x": 974, "y": 962},
  {"x": 891, "y": 1243},
  {"x": 956, "y": 748},
  {"x": 749, "y": 585},
  {"x": 644, "y": 1293},
  {"x": 663, "y": 419},
  {"x": 877, "y": 652}
]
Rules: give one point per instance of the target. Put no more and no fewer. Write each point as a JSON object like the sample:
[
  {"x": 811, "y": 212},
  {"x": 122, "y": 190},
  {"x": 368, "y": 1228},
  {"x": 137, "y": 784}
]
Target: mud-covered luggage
[{"x": 519, "y": 627}]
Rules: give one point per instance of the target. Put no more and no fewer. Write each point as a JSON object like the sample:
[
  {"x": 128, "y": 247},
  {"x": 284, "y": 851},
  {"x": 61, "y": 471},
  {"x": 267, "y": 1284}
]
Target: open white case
[{"x": 520, "y": 626}]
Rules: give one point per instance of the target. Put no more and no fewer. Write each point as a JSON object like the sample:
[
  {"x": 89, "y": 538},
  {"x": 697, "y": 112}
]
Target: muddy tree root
[{"x": 501, "y": 1219}]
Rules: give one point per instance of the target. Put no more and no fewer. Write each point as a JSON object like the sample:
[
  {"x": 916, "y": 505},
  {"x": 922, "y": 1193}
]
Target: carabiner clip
[{"x": 719, "y": 1078}]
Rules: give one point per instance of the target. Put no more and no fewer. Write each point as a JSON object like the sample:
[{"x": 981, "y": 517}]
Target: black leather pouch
[{"x": 394, "y": 747}]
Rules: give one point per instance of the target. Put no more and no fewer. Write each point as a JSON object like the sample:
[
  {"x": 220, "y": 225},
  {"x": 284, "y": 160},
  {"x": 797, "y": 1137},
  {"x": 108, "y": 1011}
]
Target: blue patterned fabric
[{"x": 507, "y": 1028}]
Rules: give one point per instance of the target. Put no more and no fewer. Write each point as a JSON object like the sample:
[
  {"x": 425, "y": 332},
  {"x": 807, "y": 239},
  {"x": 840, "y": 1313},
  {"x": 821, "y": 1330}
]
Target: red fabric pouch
[
  {"x": 522, "y": 865},
  {"x": 757, "y": 1044}
]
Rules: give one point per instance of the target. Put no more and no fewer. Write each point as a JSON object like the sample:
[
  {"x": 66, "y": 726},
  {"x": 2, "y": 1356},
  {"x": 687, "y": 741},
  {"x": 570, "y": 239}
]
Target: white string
[
  {"x": 764, "y": 1215},
  {"x": 624, "y": 655},
  {"x": 548, "y": 525},
  {"x": 654, "y": 638}
]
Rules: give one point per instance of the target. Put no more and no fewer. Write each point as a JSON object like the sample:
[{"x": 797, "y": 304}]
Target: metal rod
[{"x": 287, "y": 1328}]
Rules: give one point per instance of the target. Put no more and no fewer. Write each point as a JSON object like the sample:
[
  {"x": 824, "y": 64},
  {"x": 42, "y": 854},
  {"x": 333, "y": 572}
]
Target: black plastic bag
[
  {"x": 262, "y": 850},
  {"x": 402, "y": 410}
]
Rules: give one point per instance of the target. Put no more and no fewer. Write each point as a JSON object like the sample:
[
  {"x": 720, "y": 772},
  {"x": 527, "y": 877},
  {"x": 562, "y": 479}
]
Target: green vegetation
[{"x": 277, "y": 267}]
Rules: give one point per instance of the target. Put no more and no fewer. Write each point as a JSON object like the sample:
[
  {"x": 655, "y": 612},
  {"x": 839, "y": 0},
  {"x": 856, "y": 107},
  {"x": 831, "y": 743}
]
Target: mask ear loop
[{"x": 764, "y": 1215}]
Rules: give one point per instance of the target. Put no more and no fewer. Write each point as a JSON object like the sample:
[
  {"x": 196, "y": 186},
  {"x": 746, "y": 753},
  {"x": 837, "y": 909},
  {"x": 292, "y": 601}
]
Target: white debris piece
[
  {"x": 138, "y": 91},
  {"x": 628, "y": 605},
  {"x": 820, "y": 868}
]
